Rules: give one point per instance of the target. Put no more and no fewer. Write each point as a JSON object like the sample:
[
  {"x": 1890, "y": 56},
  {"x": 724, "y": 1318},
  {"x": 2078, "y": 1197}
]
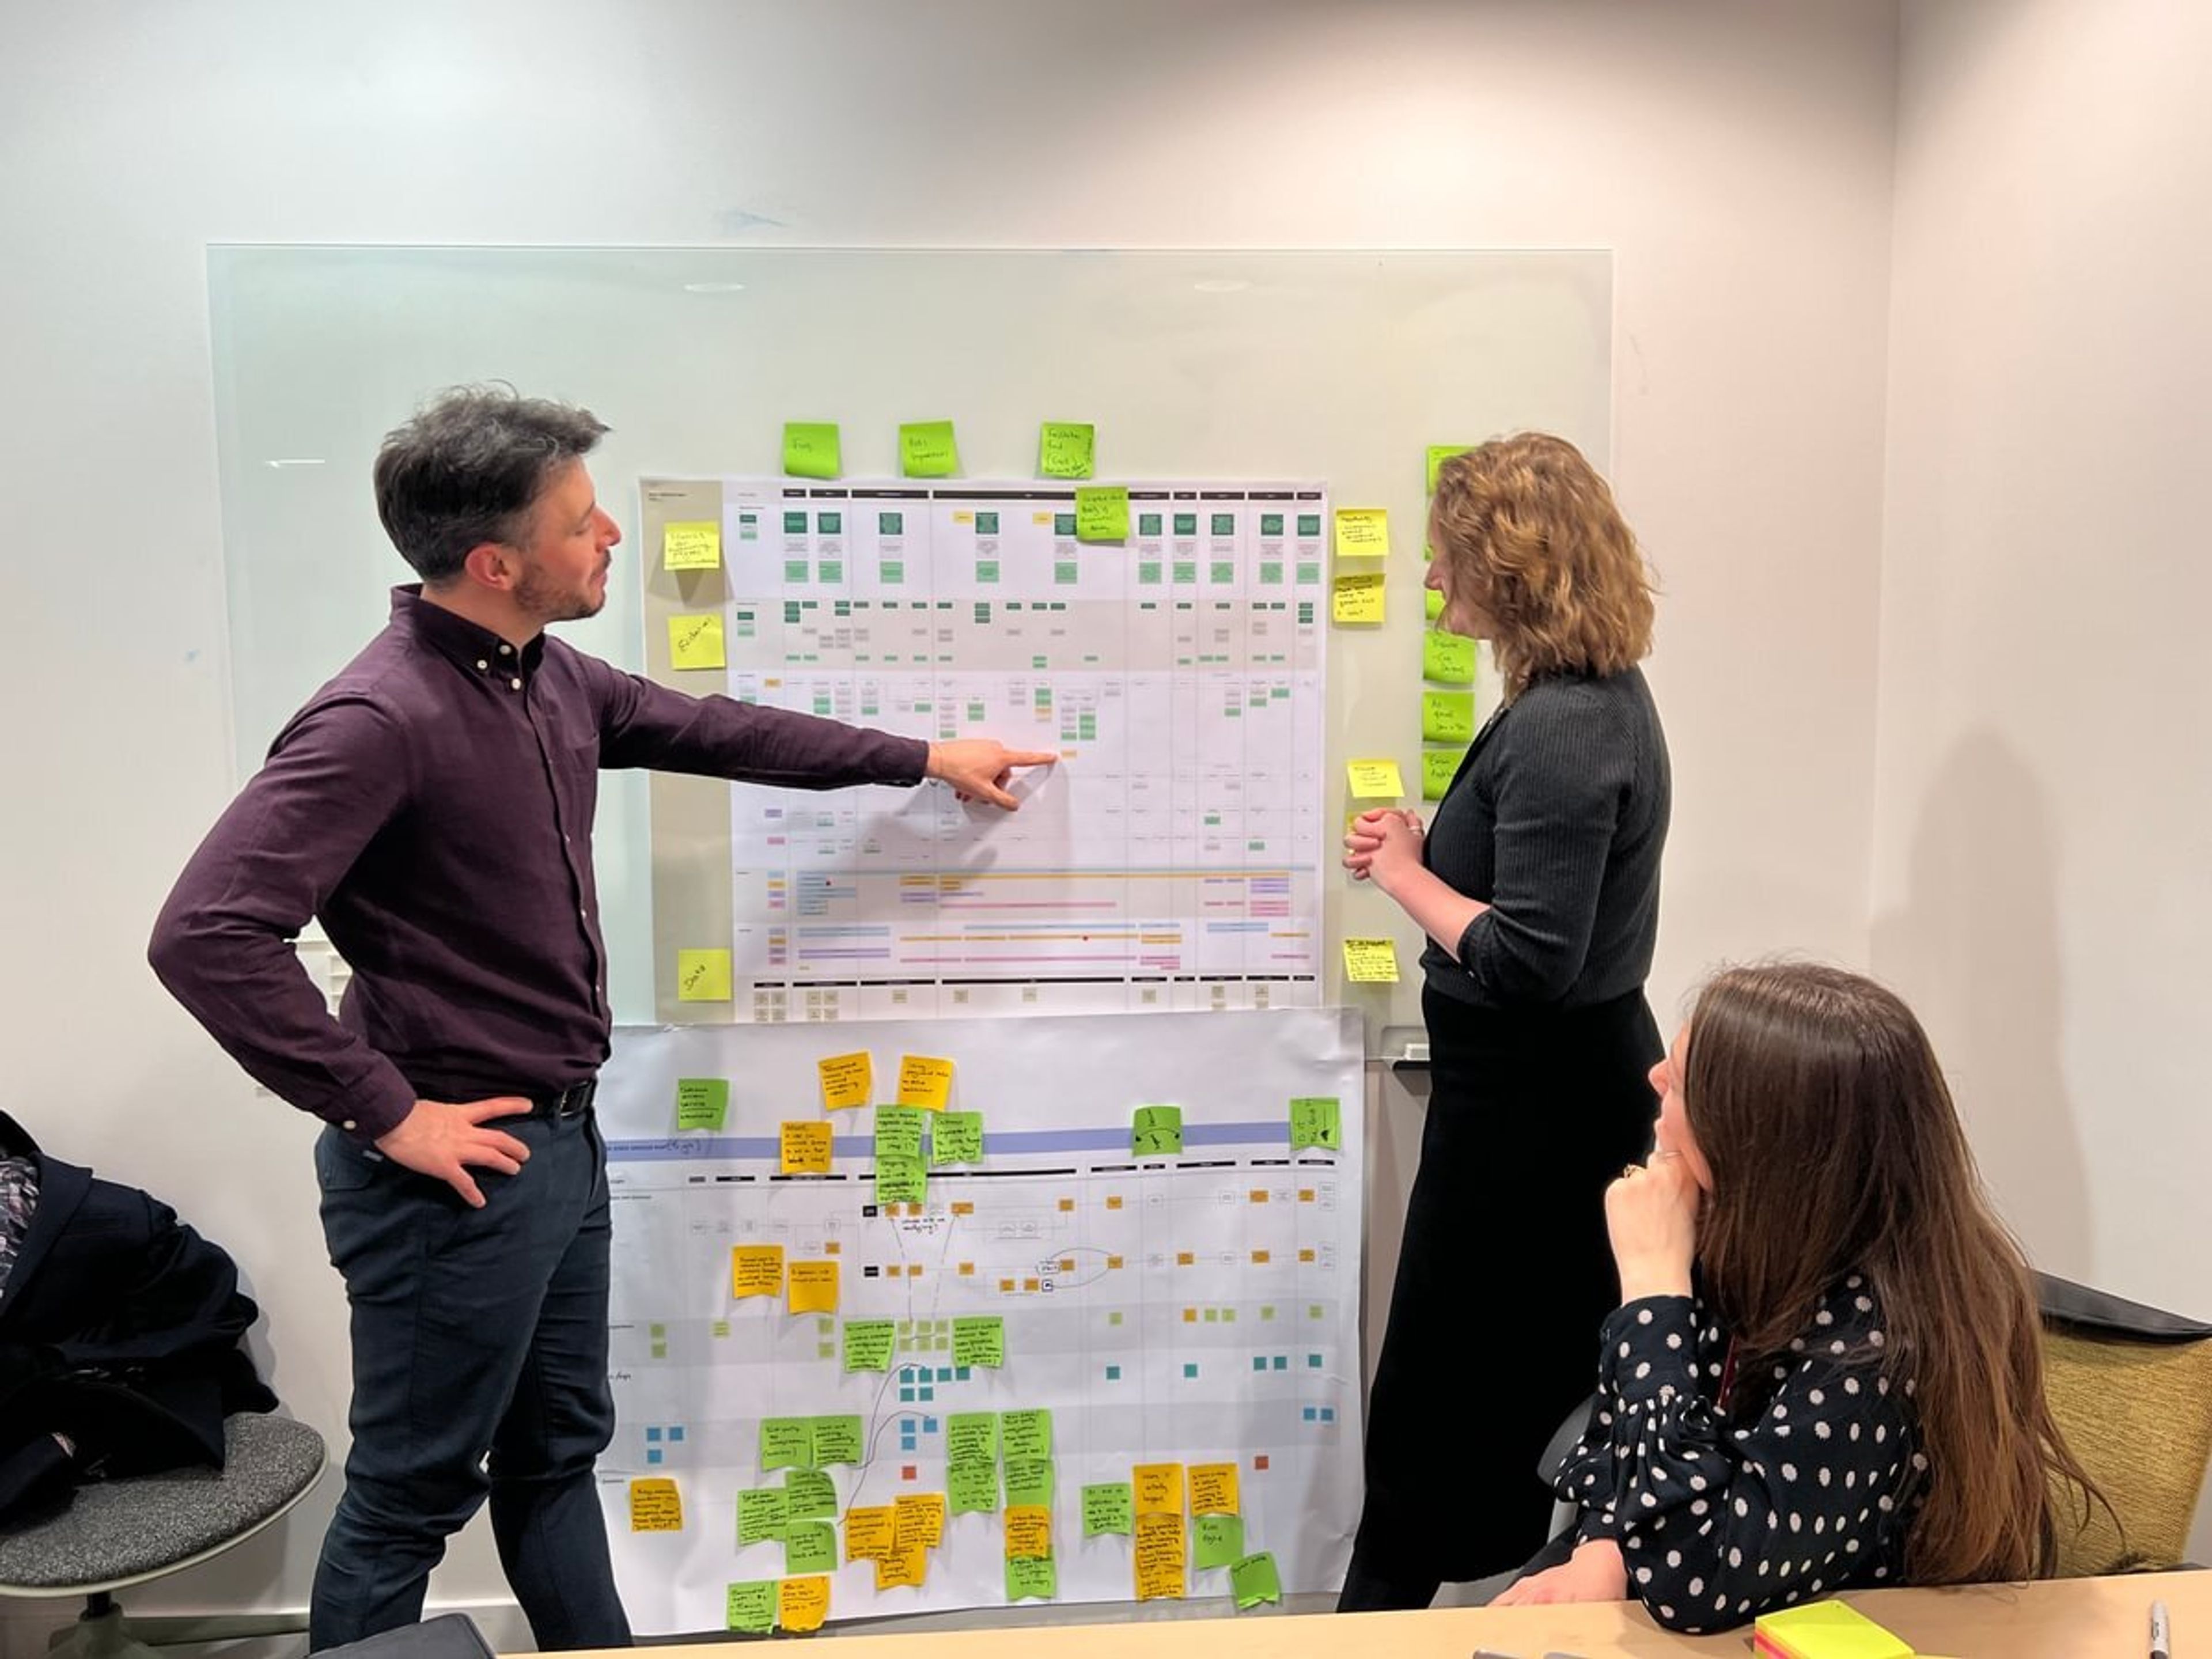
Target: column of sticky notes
[{"x": 1447, "y": 676}]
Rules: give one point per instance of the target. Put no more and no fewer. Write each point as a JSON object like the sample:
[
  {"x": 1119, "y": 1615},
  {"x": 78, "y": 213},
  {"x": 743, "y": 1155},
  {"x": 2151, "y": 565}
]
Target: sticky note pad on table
[
  {"x": 1101, "y": 513},
  {"x": 1825, "y": 1630},
  {"x": 1253, "y": 1580},
  {"x": 1316, "y": 1121},
  {"x": 1447, "y": 716},
  {"x": 972, "y": 1485},
  {"x": 924, "y": 1081},
  {"x": 898, "y": 1132},
  {"x": 701, "y": 1103},
  {"x": 1158, "y": 1488},
  {"x": 692, "y": 545},
  {"x": 1110, "y": 1507},
  {"x": 1374, "y": 779},
  {"x": 1439, "y": 768},
  {"x": 787, "y": 1443},
  {"x": 696, "y": 641},
  {"x": 926, "y": 450},
  {"x": 837, "y": 1440},
  {"x": 813, "y": 1287},
  {"x": 1357, "y": 597},
  {"x": 810, "y": 1547},
  {"x": 752, "y": 1606},
  {"x": 1029, "y": 1532},
  {"x": 1216, "y": 1540},
  {"x": 812, "y": 449},
  {"x": 1370, "y": 961},
  {"x": 847, "y": 1081},
  {"x": 1437, "y": 455},
  {"x": 802, "y": 1603},
  {"x": 655, "y": 1505},
  {"x": 1156, "y": 1132},
  {"x": 808, "y": 1495},
  {"x": 1028, "y": 1581},
  {"x": 1159, "y": 1557},
  {"x": 971, "y": 1438},
  {"x": 804, "y": 1148},
  {"x": 1447, "y": 659},
  {"x": 761, "y": 1515},
  {"x": 1066, "y": 449},
  {"x": 956, "y": 1137},
  {"x": 1214, "y": 1490},
  {"x": 1362, "y": 532},
  {"x": 979, "y": 1339},
  {"x": 1025, "y": 1436},
  {"x": 868, "y": 1344},
  {"x": 756, "y": 1270},
  {"x": 702, "y": 975}
]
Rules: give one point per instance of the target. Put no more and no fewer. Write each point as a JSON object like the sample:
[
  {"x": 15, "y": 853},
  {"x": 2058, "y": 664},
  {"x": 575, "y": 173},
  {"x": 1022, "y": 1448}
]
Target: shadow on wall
[{"x": 1975, "y": 949}]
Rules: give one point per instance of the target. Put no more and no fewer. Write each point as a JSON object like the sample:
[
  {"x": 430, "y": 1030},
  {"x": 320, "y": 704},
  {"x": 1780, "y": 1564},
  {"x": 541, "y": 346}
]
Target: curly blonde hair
[{"x": 1528, "y": 534}]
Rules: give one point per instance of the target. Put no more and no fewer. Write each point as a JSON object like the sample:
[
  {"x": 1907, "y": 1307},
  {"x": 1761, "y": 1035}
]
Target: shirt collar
[{"x": 477, "y": 649}]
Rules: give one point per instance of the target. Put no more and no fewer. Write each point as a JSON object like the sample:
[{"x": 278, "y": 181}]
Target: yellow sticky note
[
  {"x": 870, "y": 1533},
  {"x": 1374, "y": 779},
  {"x": 1363, "y": 532},
  {"x": 1029, "y": 1532},
  {"x": 1159, "y": 1557},
  {"x": 1370, "y": 961},
  {"x": 806, "y": 1147},
  {"x": 1159, "y": 1488},
  {"x": 1102, "y": 513},
  {"x": 702, "y": 975},
  {"x": 928, "y": 450},
  {"x": 655, "y": 1505},
  {"x": 1066, "y": 449},
  {"x": 847, "y": 1081},
  {"x": 813, "y": 1287},
  {"x": 1357, "y": 598},
  {"x": 1447, "y": 716},
  {"x": 801, "y": 1604},
  {"x": 692, "y": 545},
  {"x": 756, "y": 1270},
  {"x": 924, "y": 1082},
  {"x": 1439, "y": 454},
  {"x": 1214, "y": 1489},
  {"x": 696, "y": 642},
  {"x": 918, "y": 1517}
]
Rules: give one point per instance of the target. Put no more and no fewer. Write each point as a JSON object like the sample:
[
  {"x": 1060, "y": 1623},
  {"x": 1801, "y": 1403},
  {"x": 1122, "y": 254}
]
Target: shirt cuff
[
  {"x": 1640, "y": 1359},
  {"x": 378, "y": 1108}
]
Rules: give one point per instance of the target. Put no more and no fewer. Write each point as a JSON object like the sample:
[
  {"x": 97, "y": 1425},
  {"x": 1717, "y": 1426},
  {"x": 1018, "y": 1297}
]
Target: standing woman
[{"x": 1538, "y": 887}]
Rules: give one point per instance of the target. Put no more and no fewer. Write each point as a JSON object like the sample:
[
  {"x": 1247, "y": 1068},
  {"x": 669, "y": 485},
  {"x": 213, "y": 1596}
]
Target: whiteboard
[{"x": 1333, "y": 365}]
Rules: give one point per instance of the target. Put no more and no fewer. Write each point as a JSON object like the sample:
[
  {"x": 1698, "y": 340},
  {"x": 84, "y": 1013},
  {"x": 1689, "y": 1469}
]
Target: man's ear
[{"x": 492, "y": 565}]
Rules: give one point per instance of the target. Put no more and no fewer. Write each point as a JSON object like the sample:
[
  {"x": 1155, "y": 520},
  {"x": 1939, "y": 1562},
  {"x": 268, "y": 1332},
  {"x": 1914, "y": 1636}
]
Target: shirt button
[
  {"x": 481, "y": 663},
  {"x": 516, "y": 683},
  {"x": 348, "y": 1126},
  {"x": 506, "y": 650}
]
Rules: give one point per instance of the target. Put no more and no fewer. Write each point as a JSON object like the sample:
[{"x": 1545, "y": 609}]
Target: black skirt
[{"x": 1502, "y": 1278}]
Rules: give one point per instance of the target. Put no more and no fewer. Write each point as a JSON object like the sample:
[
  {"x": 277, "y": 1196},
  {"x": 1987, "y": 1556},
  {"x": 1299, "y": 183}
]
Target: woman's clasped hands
[{"x": 1383, "y": 844}]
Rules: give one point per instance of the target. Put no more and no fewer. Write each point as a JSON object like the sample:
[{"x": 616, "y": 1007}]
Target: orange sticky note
[
  {"x": 1029, "y": 1532},
  {"x": 918, "y": 1518},
  {"x": 801, "y": 1604},
  {"x": 1159, "y": 1557},
  {"x": 806, "y": 1148},
  {"x": 903, "y": 1569},
  {"x": 847, "y": 1081},
  {"x": 1159, "y": 1488},
  {"x": 655, "y": 1505},
  {"x": 756, "y": 1270},
  {"x": 870, "y": 1533},
  {"x": 813, "y": 1287},
  {"x": 924, "y": 1082},
  {"x": 1214, "y": 1489}
]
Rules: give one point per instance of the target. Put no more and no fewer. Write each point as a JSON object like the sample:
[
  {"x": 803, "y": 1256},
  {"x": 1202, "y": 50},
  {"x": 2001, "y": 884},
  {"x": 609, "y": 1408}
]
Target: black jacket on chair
[{"x": 120, "y": 1328}]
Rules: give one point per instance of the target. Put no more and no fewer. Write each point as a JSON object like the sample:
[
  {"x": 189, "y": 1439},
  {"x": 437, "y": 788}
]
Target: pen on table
[{"x": 2161, "y": 1635}]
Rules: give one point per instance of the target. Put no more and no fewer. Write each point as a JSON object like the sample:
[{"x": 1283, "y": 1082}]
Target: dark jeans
[{"x": 475, "y": 1332}]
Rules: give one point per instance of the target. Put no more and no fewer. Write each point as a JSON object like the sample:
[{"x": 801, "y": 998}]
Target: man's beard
[{"x": 539, "y": 600}]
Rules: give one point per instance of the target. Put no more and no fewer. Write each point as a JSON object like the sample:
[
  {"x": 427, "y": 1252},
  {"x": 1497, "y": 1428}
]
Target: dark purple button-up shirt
[{"x": 432, "y": 807}]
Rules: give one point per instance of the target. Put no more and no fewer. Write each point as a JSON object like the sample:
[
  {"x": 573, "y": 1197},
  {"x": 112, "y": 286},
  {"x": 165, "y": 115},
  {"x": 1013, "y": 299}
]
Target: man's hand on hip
[
  {"x": 447, "y": 1140},
  {"x": 978, "y": 768}
]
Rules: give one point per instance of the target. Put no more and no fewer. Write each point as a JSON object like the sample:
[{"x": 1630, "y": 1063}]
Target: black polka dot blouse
[{"x": 1799, "y": 1482}]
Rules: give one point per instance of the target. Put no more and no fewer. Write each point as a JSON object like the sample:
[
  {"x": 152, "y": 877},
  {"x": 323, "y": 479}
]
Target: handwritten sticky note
[
  {"x": 1156, "y": 1132},
  {"x": 701, "y": 1103},
  {"x": 1066, "y": 449},
  {"x": 1159, "y": 1488},
  {"x": 1253, "y": 1580},
  {"x": 1432, "y": 605},
  {"x": 813, "y": 1287},
  {"x": 1032, "y": 1581},
  {"x": 868, "y": 1344},
  {"x": 956, "y": 1137},
  {"x": 1316, "y": 1121},
  {"x": 1213, "y": 1488},
  {"x": 1032, "y": 1483},
  {"x": 1447, "y": 659},
  {"x": 1029, "y": 1532},
  {"x": 802, "y": 1603},
  {"x": 752, "y": 1606},
  {"x": 1362, "y": 532},
  {"x": 696, "y": 641},
  {"x": 1447, "y": 716},
  {"x": 837, "y": 1440},
  {"x": 787, "y": 1443},
  {"x": 1216, "y": 1540},
  {"x": 905, "y": 1567},
  {"x": 847, "y": 1081},
  {"x": 810, "y": 1547},
  {"x": 1159, "y": 1557},
  {"x": 979, "y": 1339},
  {"x": 1374, "y": 779},
  {"x": 902, "y": 1180},
  {"x": 1101, "y": 513},
  {"x": 812, "y": 449},
  {"x": 702, "y": 975},
  {"x": 924, "y": 1082},
  {"x": 756, "y": 1270},
  {"x": 971, "y": 1437},
  {"x": 761, "y": 1515},
  {"x": 808, "y": 1495},
  {"x": 870, "y": 1533},
  {"x": 1439, "y": 768},
  {"x": 1370, "y": 961},
  {"x": 1110, "y": 1507},
  {"x": 926, "y": 450},
  {"x": 805, "y": 1148},
  {"x": 973, "y": 1486},
  {"x": 1357, "y": 597},
  {"x": 898, "y": 1132},
  {"x": 1025, "y": 1436},
  {"x": 918, "y": 1518},
  {"x": 1437, "y": 455},
  {"x": 693, "y": 545},
  {"x": 655, "y": 1505}
]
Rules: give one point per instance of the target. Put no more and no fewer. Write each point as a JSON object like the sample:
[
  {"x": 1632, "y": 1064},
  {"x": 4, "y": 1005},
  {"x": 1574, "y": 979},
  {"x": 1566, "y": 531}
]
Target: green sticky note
[
  {"x": 971, "y": 1438},
  {"x": 787, "y": 1443},
  {"x": 1316, "y": 1121},
  {"x": 1252, "y": 1580},
  {"x": 810, "y": 1547},
  {"x": 972, "y": 1487},
  {"x": 1030, "y": 1482},
  {"x": 752, "y": 1606},
  {"x": 901, "y": 1181},
  {"x": 1032, "y": 1580},
  {"x": 1447, "y": 716},
  {"x": 701, "y": 1103},
  {"x": 1025, "y": 1436},
  {"x": 837, "y": 1440},
  {"x": 1216, "y": 1540},
  {"x": 868, "y": 1344},
  {"x": 926, "y": 450},
  {"x": 809, "y": 1494},
  {"x": 1065, "y": 449},
  {"x": 956, "y": 1137},
  {"x": 1439, "y": 768},
  {"x": 762, "y": 1514},
  {"x": 1157, "y": 1131},
  {"x": 979, "y": 1339},
  {"x": 1439, "y": 454},
  {"x": 1447, "y": 659},
  {"x": 810, "y": 450},
  {"x": 1432, "y": 603},
  {"x": 898, "y": 1131},
  {"x": 1108, "y": 1508},
  {"x": 1101, "y": 513}
]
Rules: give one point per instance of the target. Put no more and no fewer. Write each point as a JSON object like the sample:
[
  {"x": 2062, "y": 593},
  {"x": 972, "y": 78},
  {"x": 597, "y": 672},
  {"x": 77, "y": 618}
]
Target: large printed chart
[
  {"x": 1085, "y": 1330},
  {"x": 1172, "y": 860}
]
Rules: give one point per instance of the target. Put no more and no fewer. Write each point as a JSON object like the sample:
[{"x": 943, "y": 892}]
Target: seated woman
[{"x": 1847, "y": 1390}]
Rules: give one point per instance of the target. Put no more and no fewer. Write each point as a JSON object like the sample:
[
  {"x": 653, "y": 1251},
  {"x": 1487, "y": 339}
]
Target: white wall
[
  {"x": 1736, "y": 153},
  {"x": 2044, "y": 810}
]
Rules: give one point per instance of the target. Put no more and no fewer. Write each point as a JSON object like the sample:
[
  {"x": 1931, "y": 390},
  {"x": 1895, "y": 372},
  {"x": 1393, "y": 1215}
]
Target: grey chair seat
[{"x": 119, "y": 1532}]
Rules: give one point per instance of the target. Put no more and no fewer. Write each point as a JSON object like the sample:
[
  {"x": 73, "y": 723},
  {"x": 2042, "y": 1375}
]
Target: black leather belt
[{"x": 574, "y": 1100}]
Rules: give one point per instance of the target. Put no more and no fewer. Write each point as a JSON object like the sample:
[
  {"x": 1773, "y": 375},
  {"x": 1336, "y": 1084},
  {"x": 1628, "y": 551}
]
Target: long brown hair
[
  {"x": 1529, "y": 535},
  {"x": 1835, "y": 1149}
]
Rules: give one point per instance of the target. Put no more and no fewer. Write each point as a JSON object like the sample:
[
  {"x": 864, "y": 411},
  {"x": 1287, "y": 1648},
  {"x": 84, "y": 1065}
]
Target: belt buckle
[{"x": 575, "y": 1100}]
